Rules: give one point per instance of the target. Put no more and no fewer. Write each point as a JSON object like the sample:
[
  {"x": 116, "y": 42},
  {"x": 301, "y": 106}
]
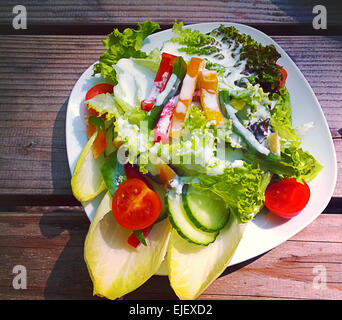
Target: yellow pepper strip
[
  {"x": 273, "y": 142},
  {"x": 185, "y": 97},
  {"x": 208, "y": 84}
]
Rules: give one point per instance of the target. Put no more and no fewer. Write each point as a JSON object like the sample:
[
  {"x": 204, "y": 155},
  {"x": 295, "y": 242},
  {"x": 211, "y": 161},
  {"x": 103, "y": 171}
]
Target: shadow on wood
[
  {"x": 60, "y": 173},
  {"x": 68, "y": 278}
]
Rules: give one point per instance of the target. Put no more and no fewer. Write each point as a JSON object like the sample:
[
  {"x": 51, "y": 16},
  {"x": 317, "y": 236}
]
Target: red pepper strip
[
  {"x": 134, "y": 241},
  {"x": 162, "y": 129},
  {"x": 162, "y": 77},
  {"x": 284, "y": 76}
]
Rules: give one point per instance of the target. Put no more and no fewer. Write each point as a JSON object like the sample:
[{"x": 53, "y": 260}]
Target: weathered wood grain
[
  {"x": 37, "y": 74},
  {"x": 81, "y": 12},
  {"x": 50, "y": 245}
]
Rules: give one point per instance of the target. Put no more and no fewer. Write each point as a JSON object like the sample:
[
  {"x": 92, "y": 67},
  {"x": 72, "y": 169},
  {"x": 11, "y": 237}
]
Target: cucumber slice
[
  {"x": 206, "y": 210},
  {"x": 181, "y": 222}
]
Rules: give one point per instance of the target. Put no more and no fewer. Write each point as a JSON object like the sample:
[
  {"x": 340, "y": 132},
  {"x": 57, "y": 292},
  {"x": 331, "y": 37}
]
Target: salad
[{"x": 186, "y": 144}]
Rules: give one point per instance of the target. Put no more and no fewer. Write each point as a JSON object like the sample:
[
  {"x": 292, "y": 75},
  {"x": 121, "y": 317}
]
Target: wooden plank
[
  {"x": 49, "y": 244},
  {"x": 37, "y": 74},
  {"x": 81, "y": 12}
]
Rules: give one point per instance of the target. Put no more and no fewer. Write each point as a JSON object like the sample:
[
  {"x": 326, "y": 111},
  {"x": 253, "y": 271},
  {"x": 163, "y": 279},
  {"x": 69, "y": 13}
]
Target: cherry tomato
[
  {"x": 284, "y": 75},
  {"x": 135, "y": 206},
  {"x": 94, "y": 91},
  {"x": 287, "y": 197}
]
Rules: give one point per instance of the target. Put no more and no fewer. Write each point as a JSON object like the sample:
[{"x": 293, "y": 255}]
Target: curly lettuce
[
  {"x": 281, "y": 120},
  {"x": 242, "y": 189},
  {"x": 261, "y": 60},
  {"x": 105, "y": 104},
  {"x": 195, "y": 119},
  {"x": 260, "y": 65},
  {"x": 124, "y": 44},
  {"x": 193, "y": 42}
]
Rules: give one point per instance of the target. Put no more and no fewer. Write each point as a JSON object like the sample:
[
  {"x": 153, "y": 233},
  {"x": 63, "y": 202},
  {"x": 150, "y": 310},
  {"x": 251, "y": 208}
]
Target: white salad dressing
[
  {"x": 162, "y": 96},
  {"x": 249, "y": 136},
  {"x": 210, "y": 100},
  {"x": 262, "y": 113},
  {"x": 180, "y": 107},
  {"x": 230, "y": 59},
  {"x": 134, "y": 82},
  {"x": 186, "y": 91}
]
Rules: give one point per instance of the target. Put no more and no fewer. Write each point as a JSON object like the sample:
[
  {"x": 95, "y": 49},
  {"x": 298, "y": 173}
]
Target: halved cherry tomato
[
  {"x": 284, "y": 76},
  {"x": 94, "y": 91},
  {"x": 287, "y": 197},
  {"x": 135, "y": 206}
]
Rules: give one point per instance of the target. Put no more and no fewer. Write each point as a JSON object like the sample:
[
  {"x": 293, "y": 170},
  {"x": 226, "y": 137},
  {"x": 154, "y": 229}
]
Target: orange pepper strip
[
  {"x": 185, "y": 96},
  {"x": 91, "y": 129},
  {"x": 208, "y": 84},
  {"x": 100, "y": 144},
  {"x": 165, "y": 173}
]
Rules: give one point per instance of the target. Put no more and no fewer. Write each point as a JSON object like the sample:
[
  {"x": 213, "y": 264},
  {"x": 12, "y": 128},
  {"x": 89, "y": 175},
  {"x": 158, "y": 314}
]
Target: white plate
[{"x": 267, "y": 230}]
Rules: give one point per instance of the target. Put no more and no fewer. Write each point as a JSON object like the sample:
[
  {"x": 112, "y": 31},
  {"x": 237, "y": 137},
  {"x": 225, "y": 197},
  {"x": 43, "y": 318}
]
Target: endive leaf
[
  {"x": 87, "y": 182},
  {"x": 114, "y": 266},
  {"x": 192, "y": 268}
]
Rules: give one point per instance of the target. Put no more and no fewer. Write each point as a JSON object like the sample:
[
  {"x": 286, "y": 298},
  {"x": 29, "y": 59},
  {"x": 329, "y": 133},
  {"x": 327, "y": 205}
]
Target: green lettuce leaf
[
  {"x": 195, "y": 119},
  {"x": 152, "y": 61},
  {"x": 113, "y": 173},
  {"x": 105, "y": 103},
  {"x": 136, "y": 115},
  {"x": 304, "y": 165},
  {"x": 293, "y": 163},
  {"x": 281, "y": 120},
  {"x": 114, "y": 266},
  {"x": 194, "y": 42},
  {"x": 242, "y": 188},
  {"x": 135, "y": 138},
  {"x": 123, "y": 45}
]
